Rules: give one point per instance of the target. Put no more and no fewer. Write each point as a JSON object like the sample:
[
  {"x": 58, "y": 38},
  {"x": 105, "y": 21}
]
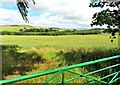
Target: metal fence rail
[{"x": 59, "y": 70}]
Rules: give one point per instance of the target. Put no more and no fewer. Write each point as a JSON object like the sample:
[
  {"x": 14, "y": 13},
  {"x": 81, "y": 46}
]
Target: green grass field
[
  {"x": 42, "y": 53},
  {"x": 10, "y": 30},
  {"x": 51, "y": 49},
  {"x": 68, "y": 41},
  {"x": 16, "y": 28}
]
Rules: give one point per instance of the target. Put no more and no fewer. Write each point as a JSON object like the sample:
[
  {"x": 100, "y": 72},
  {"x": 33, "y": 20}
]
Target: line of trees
[
  {"x": 54, "y": 33},
  {"x": 38, "y": 30}
]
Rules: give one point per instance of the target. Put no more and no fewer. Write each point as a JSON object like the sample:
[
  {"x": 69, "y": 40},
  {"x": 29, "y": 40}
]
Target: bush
[
  {"x": 83, "y": 55},
  {"x": 12, "y": 60}
]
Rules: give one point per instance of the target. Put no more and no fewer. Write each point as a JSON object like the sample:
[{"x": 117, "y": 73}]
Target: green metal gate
[{"x": 62, "y": 70}]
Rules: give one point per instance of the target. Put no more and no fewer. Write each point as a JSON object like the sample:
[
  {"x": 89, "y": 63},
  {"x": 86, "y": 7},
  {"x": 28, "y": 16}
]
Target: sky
[{"x": 50, "y": 13}]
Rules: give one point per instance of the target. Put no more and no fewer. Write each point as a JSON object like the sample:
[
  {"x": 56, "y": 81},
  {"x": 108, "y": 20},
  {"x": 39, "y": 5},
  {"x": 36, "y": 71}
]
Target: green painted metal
[
  {"x": 91, "y": 73},
  {"x": 63, "y": 74},
  {"x": 104, "y": 77},
  {"x": 52, "y": 77},
  {"x": 68, "y": 80},
  {"x": 103, "y": 69},
  {"x": 113, "y": 78},
  {"x": 87, "y": 76},
  {"x": 28, "y": 76},
  {"x": 7, "y": 81}
]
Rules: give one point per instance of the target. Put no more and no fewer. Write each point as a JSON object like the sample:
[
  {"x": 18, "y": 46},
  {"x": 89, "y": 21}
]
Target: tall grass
[
  {"x": 72, "y": 57},
  {"x": 34, "y": 60}
]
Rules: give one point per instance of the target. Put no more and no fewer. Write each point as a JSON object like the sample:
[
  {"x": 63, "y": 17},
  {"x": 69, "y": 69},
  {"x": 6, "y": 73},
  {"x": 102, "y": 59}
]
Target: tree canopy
[{"x": 109, "y": 17}]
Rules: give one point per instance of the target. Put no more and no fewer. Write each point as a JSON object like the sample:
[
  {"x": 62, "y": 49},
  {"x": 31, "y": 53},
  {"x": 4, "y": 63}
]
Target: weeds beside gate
[{"x": 115, "y": 75}]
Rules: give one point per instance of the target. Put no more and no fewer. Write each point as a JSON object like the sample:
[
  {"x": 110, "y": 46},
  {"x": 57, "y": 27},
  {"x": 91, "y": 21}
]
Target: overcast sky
[{"x": 50, "y": 13}]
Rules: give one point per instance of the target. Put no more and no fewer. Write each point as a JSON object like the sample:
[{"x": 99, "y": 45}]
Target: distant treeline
[
  {"x": 51, "y": 32},
  {"x": 38, "y": 30}
]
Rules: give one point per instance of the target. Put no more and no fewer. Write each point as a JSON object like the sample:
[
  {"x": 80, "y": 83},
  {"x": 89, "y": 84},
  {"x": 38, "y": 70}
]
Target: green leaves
[
  {"x": 111, "y": 18},
  {"x": 104, "y": 3},
  {"x": 112, "y": 31}
]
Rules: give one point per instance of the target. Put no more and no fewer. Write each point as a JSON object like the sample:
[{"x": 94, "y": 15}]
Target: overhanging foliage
[{"x": 23, "y": 6}]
